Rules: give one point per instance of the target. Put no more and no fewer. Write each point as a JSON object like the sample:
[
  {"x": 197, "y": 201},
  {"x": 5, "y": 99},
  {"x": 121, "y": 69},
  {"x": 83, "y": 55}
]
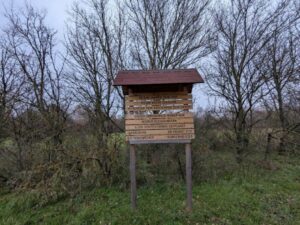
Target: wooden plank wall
[{"x": 159, "y": 116}]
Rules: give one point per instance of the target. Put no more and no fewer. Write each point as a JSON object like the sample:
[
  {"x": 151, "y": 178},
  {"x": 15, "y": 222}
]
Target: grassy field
[{"x": 251, "y": 194}]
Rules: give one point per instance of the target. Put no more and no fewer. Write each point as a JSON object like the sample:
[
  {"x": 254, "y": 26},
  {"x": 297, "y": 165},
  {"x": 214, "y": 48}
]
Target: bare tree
[
  {"x": 96, "y": 45},
  {"x": 281, "y": 65},
  {"x": 10, "y": 86},
  {"x": 32, "y": 46},
  {"x": 168, "y": 34},
  {"x": 244, "y": 28}
]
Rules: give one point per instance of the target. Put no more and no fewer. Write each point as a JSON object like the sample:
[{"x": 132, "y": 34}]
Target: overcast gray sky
[
  {"x": 56, "y": 19},
  {"x": 56, "y": 11}
]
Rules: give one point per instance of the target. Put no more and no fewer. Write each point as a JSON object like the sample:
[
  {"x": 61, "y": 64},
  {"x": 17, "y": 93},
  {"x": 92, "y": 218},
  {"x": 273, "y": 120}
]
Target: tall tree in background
[
  {"x": 244, "y": 28},
  {"x": 10, "y": 92},
  {"x": 9, "y": 86},
  {"x": 281, "y": 63},
  {"x": 96, "y": 45},
  {"x": 168, "y": 34},
  {"x": 32, "y": 46}
]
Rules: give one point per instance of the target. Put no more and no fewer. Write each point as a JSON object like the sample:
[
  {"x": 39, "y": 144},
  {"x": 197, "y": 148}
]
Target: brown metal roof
[{"x": 145, "y": 77}]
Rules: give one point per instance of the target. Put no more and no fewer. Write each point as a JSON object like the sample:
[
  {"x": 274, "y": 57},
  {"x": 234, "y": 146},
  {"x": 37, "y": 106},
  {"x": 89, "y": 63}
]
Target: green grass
[{"x": 248, "y": 195}]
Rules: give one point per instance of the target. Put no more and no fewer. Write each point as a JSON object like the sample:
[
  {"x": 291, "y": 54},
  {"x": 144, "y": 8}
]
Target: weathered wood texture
[
  {"x": 174, "y": 141},
  {"x": 161, "y": 137},
  {"x": 188, "y": 155},
  {"x": 133, "y": 176},
  {"x": 144, "y": 102},
  {"x": 160, "y": 132},
  {"x": 159, "y": 127},
  {"x": 159, "y": 116},
  {"x": 169, "y": 94}
]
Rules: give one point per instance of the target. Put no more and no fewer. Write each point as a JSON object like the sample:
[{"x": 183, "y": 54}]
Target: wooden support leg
[
  {"x": 188, "y": 167},
  {"x": 132, "y": 176}
]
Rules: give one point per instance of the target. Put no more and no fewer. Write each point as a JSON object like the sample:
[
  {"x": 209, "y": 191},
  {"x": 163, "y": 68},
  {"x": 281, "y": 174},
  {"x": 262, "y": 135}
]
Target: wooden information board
[
  {"x": 157, "y": 110},
  {"x": 159, "y": 118}
]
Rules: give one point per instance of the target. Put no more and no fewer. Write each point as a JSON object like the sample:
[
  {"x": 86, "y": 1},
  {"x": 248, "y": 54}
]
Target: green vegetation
[{"x": 255, "y": 192}]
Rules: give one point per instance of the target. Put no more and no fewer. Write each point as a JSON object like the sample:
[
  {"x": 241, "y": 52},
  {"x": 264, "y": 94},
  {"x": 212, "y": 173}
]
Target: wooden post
[
  {"x": 132, "y": 177},
  {"x": 188, "y": 167}
]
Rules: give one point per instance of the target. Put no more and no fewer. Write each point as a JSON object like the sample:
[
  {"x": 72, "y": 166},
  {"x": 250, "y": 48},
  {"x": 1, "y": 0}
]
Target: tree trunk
[
  {"x": 268, "y": 148},
  {"x": 242, "y": 139}
]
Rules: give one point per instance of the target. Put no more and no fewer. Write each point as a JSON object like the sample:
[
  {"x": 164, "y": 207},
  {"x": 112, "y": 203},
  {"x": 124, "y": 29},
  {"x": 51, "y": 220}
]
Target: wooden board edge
[{"x": 179, "y": 141}]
